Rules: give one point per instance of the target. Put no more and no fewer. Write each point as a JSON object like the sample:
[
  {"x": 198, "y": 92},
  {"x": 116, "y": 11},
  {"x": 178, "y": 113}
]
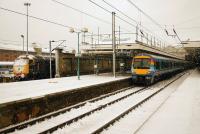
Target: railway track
[
  {"x": 92, "y": 111},
  {"x": 89, "y": 112},
  {"x": 106, "y": 125},
  {"x": 111, "y": 120},
  {"x": 137, "y": 118},
  {"x": 30, "y": 122}
]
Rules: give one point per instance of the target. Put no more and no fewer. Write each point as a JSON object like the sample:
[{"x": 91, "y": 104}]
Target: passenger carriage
[{"x": 150, "y": 68}]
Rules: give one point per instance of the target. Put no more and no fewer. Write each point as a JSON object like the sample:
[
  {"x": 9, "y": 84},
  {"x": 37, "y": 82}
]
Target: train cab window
[
  {"x": 21, "y": 62},
  {"x": 143, "y": 63},
  {"x": 167, "y": 64}
]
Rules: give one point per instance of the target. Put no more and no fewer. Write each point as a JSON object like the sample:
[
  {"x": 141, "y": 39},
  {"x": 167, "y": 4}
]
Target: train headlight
[
  {"x": 134, "y": 77},
  {"x": 150, "y": 72},
  {"x": 148, "y": 77},
  {"x": 22, "y": 75},
  {"x": 133, "y": 72}
]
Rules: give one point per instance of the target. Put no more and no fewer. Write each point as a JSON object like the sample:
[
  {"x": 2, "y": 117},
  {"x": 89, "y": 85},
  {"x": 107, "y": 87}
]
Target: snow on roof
[
  {"x": 31, "y": 49},
  {"x": 8, "y": 46},
  {"x": 30, "y": 56}
]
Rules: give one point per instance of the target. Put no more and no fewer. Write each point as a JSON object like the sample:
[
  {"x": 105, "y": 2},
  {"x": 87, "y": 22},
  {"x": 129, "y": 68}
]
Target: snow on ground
[
  {"x": 180, "y": 113},
  {"x": 48, "y": 123},
  {"x": 135, "y": 119},
  {"x": 90, "y": 123},
  {"x": 37, "y": 88},
  {"x": 97, "y": 119}
]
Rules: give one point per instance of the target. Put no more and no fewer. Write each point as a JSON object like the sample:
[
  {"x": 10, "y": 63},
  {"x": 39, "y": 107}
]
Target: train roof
[
  {"x": 35, "y": 57},
  {"x": 156, "y": 57},
  {"x": 29, "y": 56}
]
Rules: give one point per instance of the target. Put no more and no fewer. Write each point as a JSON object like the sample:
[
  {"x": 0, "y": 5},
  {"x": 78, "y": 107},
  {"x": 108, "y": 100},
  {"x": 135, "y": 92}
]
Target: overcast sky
[{"x": 183, "y": 14}]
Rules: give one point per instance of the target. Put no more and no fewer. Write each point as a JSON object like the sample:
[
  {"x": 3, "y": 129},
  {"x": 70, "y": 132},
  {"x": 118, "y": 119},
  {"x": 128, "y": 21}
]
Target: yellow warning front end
[
  {"x": 141, "y": 69},
  {"x": 21, "y": 68}
]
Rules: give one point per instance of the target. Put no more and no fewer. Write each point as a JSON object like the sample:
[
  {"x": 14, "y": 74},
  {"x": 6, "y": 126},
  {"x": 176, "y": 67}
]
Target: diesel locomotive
[
  {"x": 148, "y": 69},
  {"x": 27, "y": 67},
  {"x": 32, "y": 67}
]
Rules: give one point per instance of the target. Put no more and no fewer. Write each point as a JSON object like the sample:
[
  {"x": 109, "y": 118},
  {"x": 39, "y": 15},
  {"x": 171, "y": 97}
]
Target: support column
[
  {"x": 58, "y": 52},
  {"x": 50, "y": 61}
]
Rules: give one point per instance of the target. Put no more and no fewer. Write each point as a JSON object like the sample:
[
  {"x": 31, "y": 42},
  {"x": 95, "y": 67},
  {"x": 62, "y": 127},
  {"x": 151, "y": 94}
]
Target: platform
[
  {"x": 20, "y": 101},
  {"x": 180, "y": 114},
  {"x": 32, "y": 89}
]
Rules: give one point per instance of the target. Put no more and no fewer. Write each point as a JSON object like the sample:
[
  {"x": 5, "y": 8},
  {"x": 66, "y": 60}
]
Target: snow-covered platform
[
  {"x": 33, "y": 89},
  {"x": 20, "y": 101},
  {"x": 180, "y": 114}
]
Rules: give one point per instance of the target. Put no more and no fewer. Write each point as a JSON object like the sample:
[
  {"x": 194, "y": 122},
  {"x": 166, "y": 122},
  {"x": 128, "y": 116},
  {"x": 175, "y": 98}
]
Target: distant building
[{"x": 11, "y": 55}]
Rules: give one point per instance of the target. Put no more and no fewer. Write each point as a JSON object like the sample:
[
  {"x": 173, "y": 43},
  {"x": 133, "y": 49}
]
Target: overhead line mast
[{"x": 153, "y": 20}]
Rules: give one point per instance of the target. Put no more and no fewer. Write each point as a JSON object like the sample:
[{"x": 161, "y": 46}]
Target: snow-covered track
[
  {"x": 33, "y": 121},
  {"x": 91, "y": 111},
  {"x": 52, "y": 123},
  {"x": 105, "y": 126}
]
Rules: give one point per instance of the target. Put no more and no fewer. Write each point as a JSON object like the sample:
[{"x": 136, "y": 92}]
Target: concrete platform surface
[
  {"x": 180, "y": 114},
  {"x": 15, "y": 91}
]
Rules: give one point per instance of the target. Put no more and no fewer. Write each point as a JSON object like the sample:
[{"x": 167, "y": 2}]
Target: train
[
  {"x": 28, "y": 67},
  {"x": 148, "y": 69},
  {"x": 32, "y": 67},
  {"x": 6, "y": 71},
  {"x": 6, "y": 68}
]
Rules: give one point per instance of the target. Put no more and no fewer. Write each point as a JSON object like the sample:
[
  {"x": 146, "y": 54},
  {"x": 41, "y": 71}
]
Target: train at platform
[
  {"x": 148, "y": 69},
  {"x": 27, "y": 67}
]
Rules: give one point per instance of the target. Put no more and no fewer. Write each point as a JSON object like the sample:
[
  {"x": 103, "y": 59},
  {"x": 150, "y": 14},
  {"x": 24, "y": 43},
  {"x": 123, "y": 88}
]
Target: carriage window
[
  {"x": 141, "y": 63},
  {"x": 157, "y": 65}
]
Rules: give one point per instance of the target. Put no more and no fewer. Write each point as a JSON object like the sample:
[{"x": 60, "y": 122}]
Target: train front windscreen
[
  {"x": 21, "y": 67},
  {"x": 21, "y": 62},
  {"x": 141, "y": 63}
]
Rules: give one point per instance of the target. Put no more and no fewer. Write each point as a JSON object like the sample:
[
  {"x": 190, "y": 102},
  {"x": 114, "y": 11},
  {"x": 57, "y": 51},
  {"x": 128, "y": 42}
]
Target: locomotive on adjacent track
[
  {"x": 148, "y": 68},
  {"x": 31, "y": 67},
  {"x": 28, "y": 67}
]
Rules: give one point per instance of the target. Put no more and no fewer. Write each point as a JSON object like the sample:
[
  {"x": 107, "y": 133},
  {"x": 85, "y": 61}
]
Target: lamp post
[
  {"x": 50, "y": 67},
  {"x": 23, "y": 41},
  {"x": 114, "y": 44},
  {"x": 84, "y": 30},
  {"x": 27, "y": 5}
]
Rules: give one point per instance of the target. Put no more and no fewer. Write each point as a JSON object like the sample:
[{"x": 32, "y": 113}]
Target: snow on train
[{"x": 148, "y": 69}]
